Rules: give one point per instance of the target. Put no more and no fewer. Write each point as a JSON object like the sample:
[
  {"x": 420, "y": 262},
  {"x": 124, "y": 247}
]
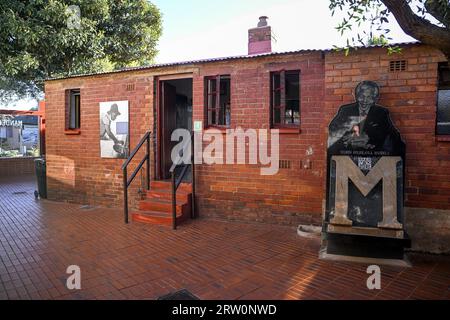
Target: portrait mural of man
[
  {"x": 114, "y": 129},
  {"x": 364, "y": 126}
]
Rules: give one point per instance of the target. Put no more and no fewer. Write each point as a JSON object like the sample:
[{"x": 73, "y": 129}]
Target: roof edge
[{"x": 210, "y": 60}]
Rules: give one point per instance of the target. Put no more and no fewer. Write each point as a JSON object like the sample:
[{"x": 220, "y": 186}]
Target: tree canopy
[
  {"x": 425, "y": 20},
  {"x": 50, "y": 38}
]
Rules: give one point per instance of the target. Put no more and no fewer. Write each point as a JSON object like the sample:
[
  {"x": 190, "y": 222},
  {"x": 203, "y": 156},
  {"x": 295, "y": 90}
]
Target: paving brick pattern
[{"x": 39, "y": 239}]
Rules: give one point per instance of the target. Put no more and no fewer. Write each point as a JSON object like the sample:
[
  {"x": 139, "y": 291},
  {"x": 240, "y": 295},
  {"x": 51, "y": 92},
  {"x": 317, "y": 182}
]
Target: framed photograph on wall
[{"x": 114, "y": 130}]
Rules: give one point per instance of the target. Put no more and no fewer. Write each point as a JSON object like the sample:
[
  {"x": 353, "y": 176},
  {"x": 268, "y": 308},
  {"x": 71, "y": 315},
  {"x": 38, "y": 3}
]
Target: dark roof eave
[{"x": 199, "y": 61}]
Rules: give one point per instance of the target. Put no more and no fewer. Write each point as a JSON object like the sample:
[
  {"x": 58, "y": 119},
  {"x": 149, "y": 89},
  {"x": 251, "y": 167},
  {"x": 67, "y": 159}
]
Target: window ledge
[
  {"x": 443, "y": 138},
  {"x": 72, "y": 132},
  {"x": 221, "y": 129},
  {"x": 19, "y": 158},
  {"x": 288, "y": 130}
]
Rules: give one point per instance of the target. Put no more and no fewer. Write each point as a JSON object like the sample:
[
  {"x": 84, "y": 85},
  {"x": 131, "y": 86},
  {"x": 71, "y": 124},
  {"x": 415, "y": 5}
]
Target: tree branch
[
  {"x": 440, "y": 10},
  {"x": 419, "y": 28}
]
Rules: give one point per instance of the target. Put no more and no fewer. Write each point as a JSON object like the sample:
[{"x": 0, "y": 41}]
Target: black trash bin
[{"x": 41, "y": 175}]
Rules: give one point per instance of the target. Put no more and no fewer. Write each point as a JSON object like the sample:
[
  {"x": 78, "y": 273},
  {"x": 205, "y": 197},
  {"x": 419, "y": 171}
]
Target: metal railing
[
  {"x": 176, "y": 181},
  {"x": 126, "y": 181}
]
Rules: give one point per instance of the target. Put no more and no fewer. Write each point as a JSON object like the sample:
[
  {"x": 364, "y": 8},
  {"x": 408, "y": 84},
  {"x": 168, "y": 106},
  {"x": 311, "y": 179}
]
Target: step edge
[
  {"x": 165, "y": 201},
  {"x": 159, "y": 214}
]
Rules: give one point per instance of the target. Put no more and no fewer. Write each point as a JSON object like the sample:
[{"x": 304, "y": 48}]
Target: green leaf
[{"x": 37, "y": 42}]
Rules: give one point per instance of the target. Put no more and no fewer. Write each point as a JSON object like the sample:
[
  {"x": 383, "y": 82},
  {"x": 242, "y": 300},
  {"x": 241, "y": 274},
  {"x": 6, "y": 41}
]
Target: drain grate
[
  {"x": 179, "y": 295},
  {"x": 19, "y": 192}
]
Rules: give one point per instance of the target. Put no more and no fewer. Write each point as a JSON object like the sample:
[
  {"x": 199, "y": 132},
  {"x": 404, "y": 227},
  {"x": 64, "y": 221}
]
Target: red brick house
[{"x": 323, "y": 81}]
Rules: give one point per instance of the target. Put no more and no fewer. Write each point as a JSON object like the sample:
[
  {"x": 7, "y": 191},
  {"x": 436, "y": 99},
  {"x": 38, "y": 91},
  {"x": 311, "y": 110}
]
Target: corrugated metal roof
[{"x": 199, "y": 61}]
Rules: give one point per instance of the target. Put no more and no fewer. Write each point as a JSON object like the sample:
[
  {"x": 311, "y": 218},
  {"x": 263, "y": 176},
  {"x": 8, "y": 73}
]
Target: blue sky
[{"x": 203, "y": 29}]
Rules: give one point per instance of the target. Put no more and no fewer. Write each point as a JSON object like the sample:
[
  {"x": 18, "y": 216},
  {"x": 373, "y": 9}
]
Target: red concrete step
[
  {"x": 157, "y": 207},
  {"x": 167, "y": 194},
  {"x": 155, "y": 217},
  {"x": 187, "y": 187},
  {"x": 160, "y": 184},
  {"x": 162, "y": 205},
  {"x": 167, "y": 185}
]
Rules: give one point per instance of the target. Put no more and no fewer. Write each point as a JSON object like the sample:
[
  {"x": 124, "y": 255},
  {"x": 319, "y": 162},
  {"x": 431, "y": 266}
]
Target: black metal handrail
[
  {"x": 177, "y": 181},
  {"x": 126, "y": 181}
]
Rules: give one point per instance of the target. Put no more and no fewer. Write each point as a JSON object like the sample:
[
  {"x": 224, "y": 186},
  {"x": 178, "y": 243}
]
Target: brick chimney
[{"x": 260, "y": 38}]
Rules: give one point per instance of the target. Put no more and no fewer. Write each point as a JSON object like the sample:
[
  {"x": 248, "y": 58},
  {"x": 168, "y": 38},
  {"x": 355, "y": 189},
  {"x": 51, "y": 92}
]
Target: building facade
[{"x": 249, "y": 98}]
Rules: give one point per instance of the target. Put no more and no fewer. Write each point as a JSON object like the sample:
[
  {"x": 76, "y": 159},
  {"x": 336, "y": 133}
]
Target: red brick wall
[
  {"x": 239, "y": 191},
  {"x": 410, "y": 97},
  {"x": 77, "y": 173},
  {"x": 75, "y": 170},
  {"x": 16, "y": 166}
]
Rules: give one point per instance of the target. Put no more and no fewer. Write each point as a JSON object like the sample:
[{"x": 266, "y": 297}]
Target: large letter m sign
[{"x": 385, "y": 170}]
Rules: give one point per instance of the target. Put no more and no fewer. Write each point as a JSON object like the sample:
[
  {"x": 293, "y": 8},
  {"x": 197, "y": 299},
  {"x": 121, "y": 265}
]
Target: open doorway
[{"x": 176, "y": 112}]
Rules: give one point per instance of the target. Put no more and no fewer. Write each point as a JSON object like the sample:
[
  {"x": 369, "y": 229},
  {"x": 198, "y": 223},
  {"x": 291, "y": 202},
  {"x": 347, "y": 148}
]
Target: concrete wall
[{"x": 429, "y": 229}]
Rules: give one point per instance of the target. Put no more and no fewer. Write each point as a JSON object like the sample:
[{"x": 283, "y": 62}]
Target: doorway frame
[{"x": 159, "y": 80}]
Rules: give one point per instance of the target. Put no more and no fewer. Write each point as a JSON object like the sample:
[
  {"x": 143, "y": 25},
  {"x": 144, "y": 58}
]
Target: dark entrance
[{"x": 176, "y": 112}]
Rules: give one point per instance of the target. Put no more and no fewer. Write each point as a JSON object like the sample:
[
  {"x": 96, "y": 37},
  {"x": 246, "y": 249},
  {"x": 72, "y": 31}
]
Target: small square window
[
  {"x": 397, "y": 65},
  {"x": 285, "y": 164}
]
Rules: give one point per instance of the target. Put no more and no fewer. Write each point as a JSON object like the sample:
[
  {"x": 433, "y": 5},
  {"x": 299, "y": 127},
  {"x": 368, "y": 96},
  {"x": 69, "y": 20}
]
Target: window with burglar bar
[
  {"x": 218, "y": 100},
  {"x": 73, "y": 103},
  {"x": 443, "y": 100},
  {"x": 285, "y": 98}
]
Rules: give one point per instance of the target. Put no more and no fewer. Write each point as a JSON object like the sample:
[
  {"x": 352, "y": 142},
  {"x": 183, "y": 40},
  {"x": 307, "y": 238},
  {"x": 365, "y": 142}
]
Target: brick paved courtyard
[{"x": 213, "y": 259}]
